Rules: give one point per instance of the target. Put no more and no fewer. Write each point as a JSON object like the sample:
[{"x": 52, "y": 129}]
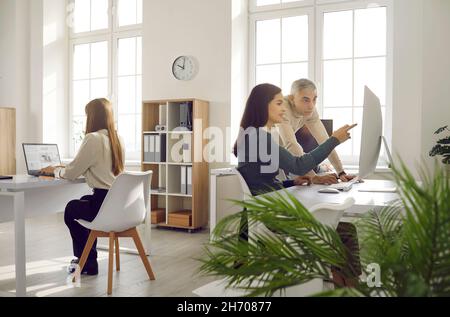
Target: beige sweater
[
  {"x": 294, "y": 121},
  {"x": 93, "y": 161}
]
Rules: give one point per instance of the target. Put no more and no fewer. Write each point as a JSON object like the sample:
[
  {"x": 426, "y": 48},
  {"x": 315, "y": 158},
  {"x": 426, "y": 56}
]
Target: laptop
[{"x": 39, "y": 156}]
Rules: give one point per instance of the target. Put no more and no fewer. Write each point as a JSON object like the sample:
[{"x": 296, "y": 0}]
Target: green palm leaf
[{"x": 409, "y": 240}]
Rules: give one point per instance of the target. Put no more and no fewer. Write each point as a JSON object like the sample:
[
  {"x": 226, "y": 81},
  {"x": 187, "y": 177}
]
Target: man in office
[{"x": 301, "y": 111}]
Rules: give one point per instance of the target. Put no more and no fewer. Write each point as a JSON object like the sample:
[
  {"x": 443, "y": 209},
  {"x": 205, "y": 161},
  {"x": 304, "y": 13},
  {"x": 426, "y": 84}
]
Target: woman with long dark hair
[{"x": 260, "y": 157}]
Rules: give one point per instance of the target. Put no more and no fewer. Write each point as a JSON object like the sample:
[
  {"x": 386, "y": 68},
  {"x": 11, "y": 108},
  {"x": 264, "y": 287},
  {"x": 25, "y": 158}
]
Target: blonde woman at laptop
[
  {"x": 100, "y": 160},
  {"x": 301, "y": 111}
]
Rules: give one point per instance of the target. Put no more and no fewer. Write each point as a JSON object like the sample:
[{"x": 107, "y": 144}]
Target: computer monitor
[
  {"x": 371, "y": 135},
  {"x": 39, "y": 156}
]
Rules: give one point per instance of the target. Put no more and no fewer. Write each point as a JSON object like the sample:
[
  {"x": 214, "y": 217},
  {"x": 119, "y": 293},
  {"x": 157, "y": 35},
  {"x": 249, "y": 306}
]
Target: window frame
[
  {"x": 325, "y": 6},
  {"x": 72, "y": 44},
  {"x": 279, "y": 14},
  {"x": 130, "y": 33},
  {"x": 281, "y": 6},
  {"x": 111, "y": 35},
  {"x": 115, "y": 25},
  {"x": 316, "y": 9},
  {"x": 73, "y": 35}
]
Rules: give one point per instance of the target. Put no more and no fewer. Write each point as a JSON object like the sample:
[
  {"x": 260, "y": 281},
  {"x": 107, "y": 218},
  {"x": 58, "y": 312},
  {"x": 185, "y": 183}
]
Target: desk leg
[
  {"x": 213, "y": 203},
  {"x": 19, "y": 241}
]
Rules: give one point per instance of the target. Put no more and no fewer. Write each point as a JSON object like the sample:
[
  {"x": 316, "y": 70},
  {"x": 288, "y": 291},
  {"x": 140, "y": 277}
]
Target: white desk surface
[
  {"x": 23, "y": 182},
  {"x": 309, "y": 196}
]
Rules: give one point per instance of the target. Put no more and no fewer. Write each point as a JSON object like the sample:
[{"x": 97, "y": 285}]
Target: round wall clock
[{"x": 185, "y": 68}]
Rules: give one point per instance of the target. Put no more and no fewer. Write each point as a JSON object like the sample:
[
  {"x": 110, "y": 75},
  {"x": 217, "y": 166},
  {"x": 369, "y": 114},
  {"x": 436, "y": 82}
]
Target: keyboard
[
  {"x": 344, "y": 186},
  {"x": 46, "y": 174},
  {"x": 39, "y": 174}
]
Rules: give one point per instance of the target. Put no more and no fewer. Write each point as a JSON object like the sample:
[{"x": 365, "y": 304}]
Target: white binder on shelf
[
  {"x": 152, "y": 148},
  {"x": 183, "y": 180},
  {"x": 146, "y": 148},
  {"x": 189, "y": 180},
  {"x": 157, "y": 148}
]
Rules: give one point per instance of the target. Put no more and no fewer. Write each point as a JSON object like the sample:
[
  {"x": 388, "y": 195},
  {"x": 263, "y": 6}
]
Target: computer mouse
[{"x": 329, "y": 190}]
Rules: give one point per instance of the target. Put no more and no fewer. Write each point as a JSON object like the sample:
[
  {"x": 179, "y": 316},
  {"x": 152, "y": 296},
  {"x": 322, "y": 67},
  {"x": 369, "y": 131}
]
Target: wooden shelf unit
[
  {"x": 167, "y": 174},
  {"x": 7, "y": 141}
]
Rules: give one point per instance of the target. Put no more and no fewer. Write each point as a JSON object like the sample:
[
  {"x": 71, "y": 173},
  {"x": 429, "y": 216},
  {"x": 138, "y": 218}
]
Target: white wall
[
  {"x": 421, "y": 76},
  {"x": 239, "y": 65},
  {"x": 407, "y": 90},
  {"x": 35, "y": 111},
  {"x": 33, "y": 79},
  {"x": 201, "y": 28},
  {"x": 436, "y": 72},
  {"x": 14, "y": 67},
  {"x": 7, "y": 52},
  {"x": 55, "y": 75}
]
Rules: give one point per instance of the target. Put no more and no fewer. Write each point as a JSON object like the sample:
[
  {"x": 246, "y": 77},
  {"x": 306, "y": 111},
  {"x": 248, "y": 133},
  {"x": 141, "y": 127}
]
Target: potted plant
[
  {"x": 442, "y": 147},
  {"x": 409, "y": 241}
]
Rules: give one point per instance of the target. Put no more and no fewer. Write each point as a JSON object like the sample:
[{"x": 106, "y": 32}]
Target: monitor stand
[
  {"x": 388, "y": 152},
  {"x": 390, "y": 164}
]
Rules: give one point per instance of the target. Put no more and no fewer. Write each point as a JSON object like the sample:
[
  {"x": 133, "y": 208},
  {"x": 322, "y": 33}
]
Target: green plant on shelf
[{"x": 442, "y": 148}]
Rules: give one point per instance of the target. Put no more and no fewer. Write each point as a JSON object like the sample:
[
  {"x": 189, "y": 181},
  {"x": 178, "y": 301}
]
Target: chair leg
[
  {"x": 140, "y": 248},
  {"x": 117, "y": 254},
  {"x": 87, "y": 248},
  {"x": 111, "y": 260}
]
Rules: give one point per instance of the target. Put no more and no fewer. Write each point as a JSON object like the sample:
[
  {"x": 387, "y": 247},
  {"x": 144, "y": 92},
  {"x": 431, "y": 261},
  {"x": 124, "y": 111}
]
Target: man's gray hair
[{"x": 301, "y": 84}]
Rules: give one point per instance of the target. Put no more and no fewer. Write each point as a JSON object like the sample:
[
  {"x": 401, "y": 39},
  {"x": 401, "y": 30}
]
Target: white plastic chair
[
  {"x": 125, "y": 207},
  {"x": 328, "y": 214}
]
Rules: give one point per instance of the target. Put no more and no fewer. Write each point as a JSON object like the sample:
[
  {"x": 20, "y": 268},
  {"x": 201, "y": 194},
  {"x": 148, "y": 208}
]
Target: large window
[
  {"x": 282, "y": 48},
  {"x": 106, "y": 62},
  {"x": 341, "y": 46}
]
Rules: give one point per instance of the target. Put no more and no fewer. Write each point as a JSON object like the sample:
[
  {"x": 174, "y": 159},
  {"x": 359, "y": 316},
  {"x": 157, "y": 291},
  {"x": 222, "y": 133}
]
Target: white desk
[
  {"x": 364, "y": 201},
  {"x": 26, "y": 196},
  {"x": 309, "y": 196}
]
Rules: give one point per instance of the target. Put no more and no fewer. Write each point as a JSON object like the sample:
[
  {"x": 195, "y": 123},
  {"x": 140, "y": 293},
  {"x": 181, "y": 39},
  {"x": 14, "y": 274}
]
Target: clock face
[{"x": 184, "y": 68}]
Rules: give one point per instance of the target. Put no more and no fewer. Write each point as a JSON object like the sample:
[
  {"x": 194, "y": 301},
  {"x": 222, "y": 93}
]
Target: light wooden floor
[{"x": 49, "y": 250}]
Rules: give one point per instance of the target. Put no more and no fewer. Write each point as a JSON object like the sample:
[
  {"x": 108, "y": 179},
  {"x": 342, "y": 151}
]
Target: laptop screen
[{"x": 38, "y": 156}]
